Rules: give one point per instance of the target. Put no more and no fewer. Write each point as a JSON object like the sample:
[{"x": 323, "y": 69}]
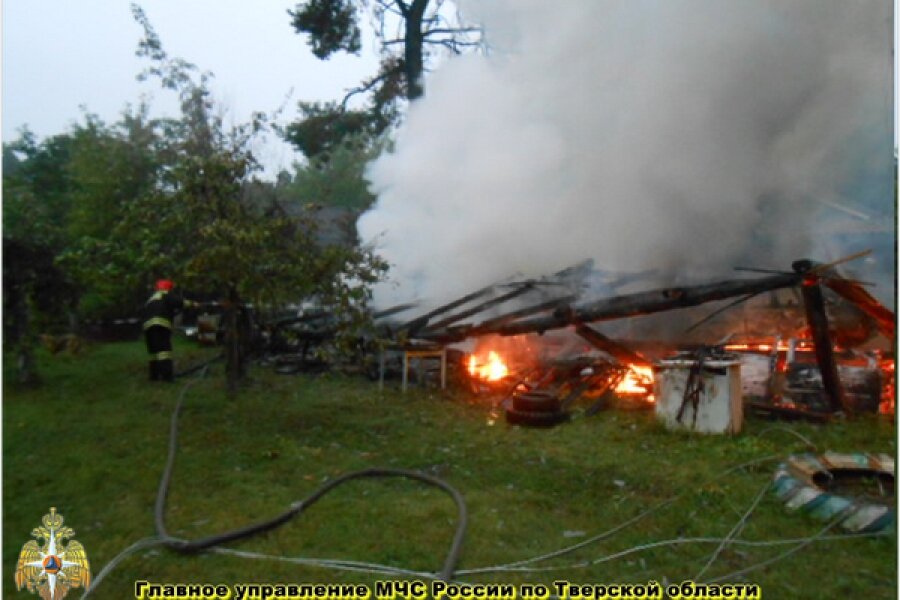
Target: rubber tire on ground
[
  {"x": 536, "y": 402},
  {"x": 535, "y": 419},
  {"x": 795, "y": 483}
]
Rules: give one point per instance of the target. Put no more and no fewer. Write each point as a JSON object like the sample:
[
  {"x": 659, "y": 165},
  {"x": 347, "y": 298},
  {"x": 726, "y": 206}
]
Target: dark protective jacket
[{"x": 161, "y": 309}]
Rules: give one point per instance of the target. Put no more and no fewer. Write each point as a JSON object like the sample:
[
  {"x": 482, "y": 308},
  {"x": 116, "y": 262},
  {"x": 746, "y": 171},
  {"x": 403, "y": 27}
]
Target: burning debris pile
[
  {"x": 783, "y": 378},
  {"x": 532, "y": 345},
  {"x": 803, "y": 350},
  {"x": 541, "y": 356},
  {"x": 538, "y": 379}
]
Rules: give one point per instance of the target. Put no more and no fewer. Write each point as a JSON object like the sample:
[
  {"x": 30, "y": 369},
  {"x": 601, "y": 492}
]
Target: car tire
[
  {"x": 536, "y": 402},
  {"x": 535, "y": 419}
]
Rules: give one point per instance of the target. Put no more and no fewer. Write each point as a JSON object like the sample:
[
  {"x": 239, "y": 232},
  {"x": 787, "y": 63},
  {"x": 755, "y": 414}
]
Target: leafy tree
[
  {"x": 338, "y": 178},
  {"x": 36, "y": 205},
  {"x": 97, "y": 213},
  {"x": 36, "y": 190},
  {"x": 35, "y": 292},
  {"x": 325, "y": 127},
  {"x": 112, "y": 169},
  {"x": 214, "y": 228},
  {"x": 422, "y": 25},
  {"x": 65, "y": 195},
  {"x": 410, "y": 33}
]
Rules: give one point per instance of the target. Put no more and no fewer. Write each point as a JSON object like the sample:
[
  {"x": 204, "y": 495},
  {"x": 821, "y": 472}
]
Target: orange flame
[
  {"x": 888, "y": 404},
  {"x": 494, "y": 369},
  {"x": 801, "y": 346},
  {"x": 638, "y": 381}
]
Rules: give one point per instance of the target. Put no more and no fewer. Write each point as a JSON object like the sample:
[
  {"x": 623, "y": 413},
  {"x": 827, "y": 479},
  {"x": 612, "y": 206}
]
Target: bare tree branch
[
  {"x": 365, "y": 87},
  {"x": 452, "y": 30},
  {"x": 449, "y": 41},
  {"x": 384, "y": 6},
  {"x": 453, "y": 45}
]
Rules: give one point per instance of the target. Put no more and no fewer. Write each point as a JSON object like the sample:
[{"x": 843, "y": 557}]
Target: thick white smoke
[{"x": 687, "y": 136}]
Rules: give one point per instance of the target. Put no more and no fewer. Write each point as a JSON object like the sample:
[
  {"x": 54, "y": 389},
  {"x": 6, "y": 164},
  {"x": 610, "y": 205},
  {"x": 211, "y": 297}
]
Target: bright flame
[
  {"x": 801, "y": 346},
  {"x": 494, "y": 369},
  {"x": 638, "y": 381},
  {"x": 888, "y": 406}
]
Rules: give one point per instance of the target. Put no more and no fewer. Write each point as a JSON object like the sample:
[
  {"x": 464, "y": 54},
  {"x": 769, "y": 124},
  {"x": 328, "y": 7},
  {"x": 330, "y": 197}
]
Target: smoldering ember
[{"x": 594, "y": 267}]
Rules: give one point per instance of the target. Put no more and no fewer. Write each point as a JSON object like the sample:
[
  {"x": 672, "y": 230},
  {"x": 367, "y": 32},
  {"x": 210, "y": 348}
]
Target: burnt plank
[
  {"x": 527, "y": 287},
  {"x": 617, "y": 350}
]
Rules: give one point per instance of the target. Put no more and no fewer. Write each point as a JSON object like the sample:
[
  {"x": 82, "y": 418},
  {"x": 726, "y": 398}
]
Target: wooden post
[
  {"x": 617, "y": 350},
  {"x": 814, "y": 303},
  {"x": 405, "y": 370}
]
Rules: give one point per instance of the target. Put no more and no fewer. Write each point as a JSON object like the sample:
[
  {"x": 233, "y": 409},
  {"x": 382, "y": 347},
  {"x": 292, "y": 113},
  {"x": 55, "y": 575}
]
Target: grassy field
[{"x": 92, "y": 441}]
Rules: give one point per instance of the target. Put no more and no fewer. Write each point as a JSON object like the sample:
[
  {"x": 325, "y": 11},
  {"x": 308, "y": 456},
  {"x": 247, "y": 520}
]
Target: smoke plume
[{"x": 688, "y": 137}]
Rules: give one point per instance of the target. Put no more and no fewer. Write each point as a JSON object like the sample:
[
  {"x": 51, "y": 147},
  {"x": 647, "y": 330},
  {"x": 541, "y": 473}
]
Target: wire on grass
[
  {"x": 802, "y": 438},
  {"x": 783, "y": 555},
  {"x": 340, "y": 565},
  {"x": 665, "y": 543},
  {"x": 610, "y": 532},
  {"x": 734, "y": 531}
]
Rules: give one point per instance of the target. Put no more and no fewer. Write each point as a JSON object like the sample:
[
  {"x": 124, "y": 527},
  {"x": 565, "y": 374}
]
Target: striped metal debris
[{"x": 795, "y": 483}]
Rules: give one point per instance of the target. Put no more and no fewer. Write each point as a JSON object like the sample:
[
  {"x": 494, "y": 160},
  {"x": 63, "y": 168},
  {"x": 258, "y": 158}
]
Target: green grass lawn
[{"x": 92, "y": 442}]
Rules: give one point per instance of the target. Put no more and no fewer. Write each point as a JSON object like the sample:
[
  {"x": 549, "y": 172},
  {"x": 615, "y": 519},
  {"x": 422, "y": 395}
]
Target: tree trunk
[
  {"x": 234, "y": 355},
  {"x": 26, "y": 371},
  {"x": 413, "y": 58}
]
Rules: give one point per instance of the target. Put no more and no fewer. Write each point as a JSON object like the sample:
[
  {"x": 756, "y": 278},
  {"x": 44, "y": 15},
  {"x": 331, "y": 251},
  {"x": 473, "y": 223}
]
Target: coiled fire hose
[{"x": 192, "y": 546}]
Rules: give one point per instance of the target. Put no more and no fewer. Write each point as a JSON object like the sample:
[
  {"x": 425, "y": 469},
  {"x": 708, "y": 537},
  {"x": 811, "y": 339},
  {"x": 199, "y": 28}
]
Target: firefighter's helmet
[{"x": 164, "y": 285}]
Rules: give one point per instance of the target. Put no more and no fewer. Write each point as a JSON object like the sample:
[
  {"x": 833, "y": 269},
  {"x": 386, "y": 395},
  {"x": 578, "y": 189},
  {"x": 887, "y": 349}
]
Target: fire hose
[
  {"x": 193, "y": 546},
  {"x": 450, "y": 563}
]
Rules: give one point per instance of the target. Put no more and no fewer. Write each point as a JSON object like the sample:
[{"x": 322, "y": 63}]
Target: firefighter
[{"x": 159, "y": 311}]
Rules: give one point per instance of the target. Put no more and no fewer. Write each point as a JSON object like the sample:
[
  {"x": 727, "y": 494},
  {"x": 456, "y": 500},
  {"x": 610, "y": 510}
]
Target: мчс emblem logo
[{"x": 54, "y": 567}]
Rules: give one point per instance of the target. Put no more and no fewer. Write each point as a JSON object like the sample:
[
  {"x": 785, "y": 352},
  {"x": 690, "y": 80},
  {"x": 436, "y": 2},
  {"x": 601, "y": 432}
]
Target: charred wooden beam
[
  {"x": 414, "y": 326},
  {"x": 608, "y": 393},
  {"x": 645, "y": 303},
  {"x": 884, "y": 318},
  {"x": 393, "y": 310},
  {"x": 567, "y": 277},
  {"x": 817, "y": 318},
  {"x": 421, "y": 322},
  {"x": 576, "y": 271},
  {"x": 591, "y": 381},
  {"x": 619, "y": 351},
  {"x": 626, "y": 278},
  {"x": 509, "y": 317},
  {"x": 515, "y": 293},
  {"x": 633, "y": 305}
]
